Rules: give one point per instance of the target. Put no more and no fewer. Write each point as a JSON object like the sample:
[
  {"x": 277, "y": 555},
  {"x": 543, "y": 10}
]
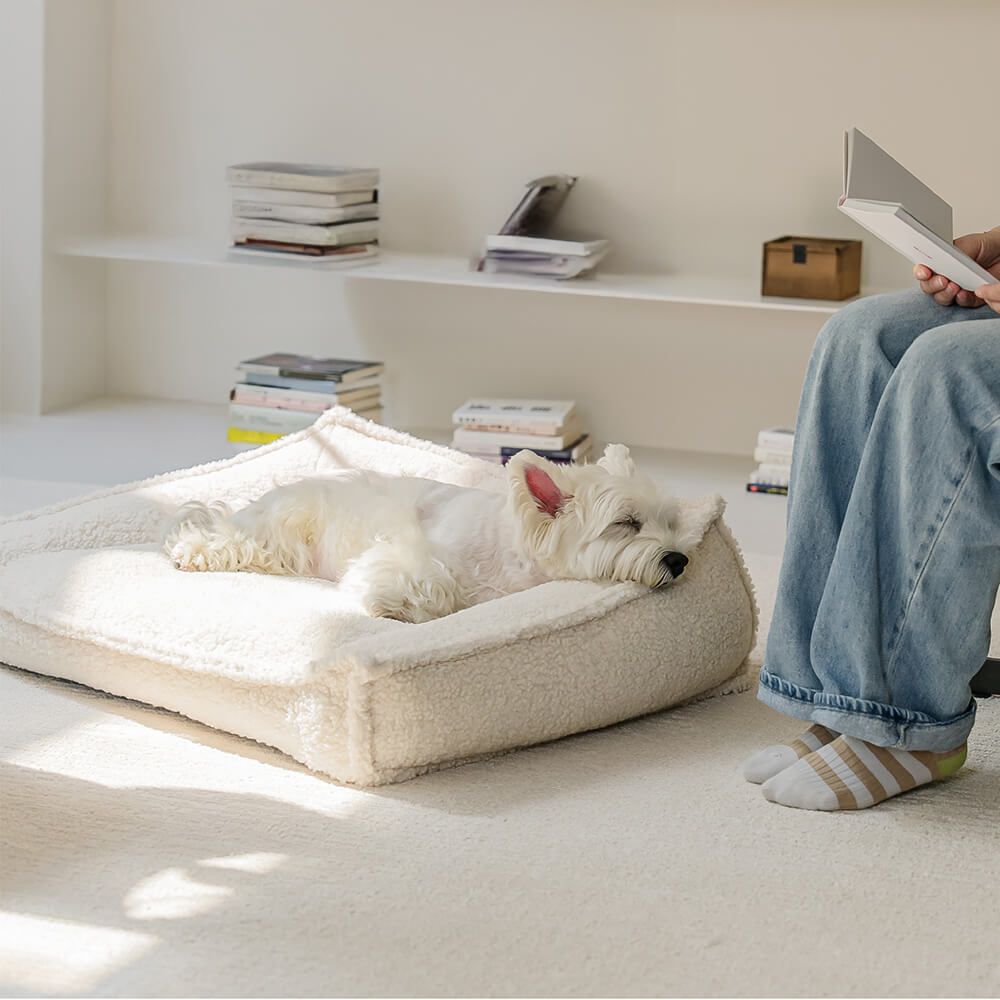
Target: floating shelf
[{"x": 691, "y": 289}]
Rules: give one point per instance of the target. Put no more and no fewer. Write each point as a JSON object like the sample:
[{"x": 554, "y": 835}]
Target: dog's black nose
[{"x": 675, "y": 562}]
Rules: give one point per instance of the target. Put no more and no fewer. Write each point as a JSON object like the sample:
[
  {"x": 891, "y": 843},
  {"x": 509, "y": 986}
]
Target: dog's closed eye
[{"x": 629, "y": 523}]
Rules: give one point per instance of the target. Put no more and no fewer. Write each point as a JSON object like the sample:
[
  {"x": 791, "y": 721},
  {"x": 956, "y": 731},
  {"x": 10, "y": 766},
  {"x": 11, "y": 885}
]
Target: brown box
[{"x": 809, "y": 267}]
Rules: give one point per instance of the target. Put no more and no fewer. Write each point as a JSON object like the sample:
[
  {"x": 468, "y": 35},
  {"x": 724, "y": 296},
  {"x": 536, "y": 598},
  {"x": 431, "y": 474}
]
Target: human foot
[
  {"x": 776, "y": 758},
  {"x": 852, "y": 774}
]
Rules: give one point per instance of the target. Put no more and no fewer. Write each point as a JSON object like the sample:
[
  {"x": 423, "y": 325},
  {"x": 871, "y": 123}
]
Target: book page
[{"x": 871, "y": 174}]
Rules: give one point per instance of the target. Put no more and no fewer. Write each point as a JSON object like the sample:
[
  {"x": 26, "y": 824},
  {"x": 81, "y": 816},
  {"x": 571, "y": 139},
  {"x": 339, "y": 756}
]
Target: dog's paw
[
  {"x": 396, "y": 614},
  {"x": 189, "y": 558}
]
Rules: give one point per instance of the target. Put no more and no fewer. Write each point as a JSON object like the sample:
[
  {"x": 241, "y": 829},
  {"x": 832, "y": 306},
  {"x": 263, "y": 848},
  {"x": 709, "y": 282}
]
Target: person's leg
[
  {"x": 852, "y": 362},
  {"x": 903, "y": 619},
  {"x": 855, "y": 355}
]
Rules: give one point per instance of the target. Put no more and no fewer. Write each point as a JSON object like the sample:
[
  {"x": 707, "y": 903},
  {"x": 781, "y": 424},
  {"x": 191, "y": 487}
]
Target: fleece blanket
[{"x": 87, "y": 594}]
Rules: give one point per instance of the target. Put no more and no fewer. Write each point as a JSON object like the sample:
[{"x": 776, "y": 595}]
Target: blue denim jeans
[{"x": 892, "y": 552}]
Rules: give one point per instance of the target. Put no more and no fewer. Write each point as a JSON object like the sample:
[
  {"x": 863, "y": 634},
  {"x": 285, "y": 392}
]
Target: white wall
[
  {"x": 21, "y": 126},
  {"x": 699, "y": 132},
  {"x": 53, "y": 170},
  {"x": 76, "y": 156}
]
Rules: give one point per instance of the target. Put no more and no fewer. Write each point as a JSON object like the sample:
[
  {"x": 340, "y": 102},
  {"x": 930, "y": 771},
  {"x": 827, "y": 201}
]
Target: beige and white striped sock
[
  {"x": 852, "y": 774},
  {"x": 776, "y": 758}
]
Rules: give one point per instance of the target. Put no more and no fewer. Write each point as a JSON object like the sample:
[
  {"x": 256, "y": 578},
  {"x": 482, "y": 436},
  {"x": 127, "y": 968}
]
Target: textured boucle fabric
[{"x": 86, "y": 594}]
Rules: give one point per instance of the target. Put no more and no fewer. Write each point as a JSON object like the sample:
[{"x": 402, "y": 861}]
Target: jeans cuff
[{"x": 883, "y": 725}]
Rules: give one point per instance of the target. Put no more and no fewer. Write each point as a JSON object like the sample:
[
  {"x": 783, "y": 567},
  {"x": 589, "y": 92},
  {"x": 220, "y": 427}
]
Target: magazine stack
[
  {"x": 773, "y": 456},
  {"x": 525, "y": 243},
  {"x": 280, "y": 393},
  {"x": 304, "y": 212},
  {"x": 497, "y": 429}
]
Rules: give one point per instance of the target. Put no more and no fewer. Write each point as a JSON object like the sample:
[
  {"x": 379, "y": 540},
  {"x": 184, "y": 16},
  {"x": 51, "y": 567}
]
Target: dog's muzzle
[{"x": 674, "y": 562}]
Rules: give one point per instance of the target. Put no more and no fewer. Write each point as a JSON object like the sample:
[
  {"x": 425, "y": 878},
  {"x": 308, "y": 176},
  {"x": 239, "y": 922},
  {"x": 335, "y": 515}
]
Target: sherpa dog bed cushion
[{"x": 87, "y": 594}]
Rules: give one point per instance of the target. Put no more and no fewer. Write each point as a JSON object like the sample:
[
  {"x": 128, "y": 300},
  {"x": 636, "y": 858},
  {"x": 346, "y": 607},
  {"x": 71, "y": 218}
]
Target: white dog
[{"x": 414, "y": 549}]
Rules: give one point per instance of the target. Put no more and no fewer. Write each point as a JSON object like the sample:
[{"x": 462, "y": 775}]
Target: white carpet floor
[{"x": 146, "y": 855}]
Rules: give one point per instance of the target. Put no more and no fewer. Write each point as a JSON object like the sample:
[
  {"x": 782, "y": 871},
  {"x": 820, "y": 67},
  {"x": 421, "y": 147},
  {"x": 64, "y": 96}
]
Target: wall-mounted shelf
[{"x": 447, "y": 270}]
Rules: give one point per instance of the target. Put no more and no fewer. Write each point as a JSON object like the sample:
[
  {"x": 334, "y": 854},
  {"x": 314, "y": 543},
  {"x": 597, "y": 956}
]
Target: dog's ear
[
  {"x": 616, "y": 460},
  {"x": 539, "y": 480},
  {"x": 543, "y": 488}
]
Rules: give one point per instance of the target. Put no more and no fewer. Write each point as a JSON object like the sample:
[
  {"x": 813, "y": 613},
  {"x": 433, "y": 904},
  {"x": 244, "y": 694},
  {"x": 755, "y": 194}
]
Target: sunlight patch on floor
[
  {"x": 59, "y": 957},
  {"x": 172, "y": 894},
  {"x": 258, "y": 862}
]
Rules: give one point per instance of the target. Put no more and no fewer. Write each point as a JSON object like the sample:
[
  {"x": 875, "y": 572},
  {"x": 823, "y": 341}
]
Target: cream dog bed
[{"x": 86, "y": 594}]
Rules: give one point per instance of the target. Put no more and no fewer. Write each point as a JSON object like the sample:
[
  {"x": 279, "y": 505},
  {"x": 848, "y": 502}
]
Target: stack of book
[
  {"x": 539, "y": 255},
  {"x": 525, "y": 243},
  {"x": 497, "y": 429},
  {"x": 280, "y": 393},
  {"x": 773, "y": 456},
  {"x": 304, "y": 212}
]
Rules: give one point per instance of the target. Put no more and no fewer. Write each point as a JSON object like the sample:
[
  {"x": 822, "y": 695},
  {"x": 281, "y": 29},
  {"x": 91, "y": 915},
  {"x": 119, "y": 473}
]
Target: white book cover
[
  {"x": 307, "y": 214},
  {"x": 264, "y": 418},
  {"x": 336, "y": 234},
  {"x": 773, "y": 456},
  {"x": 891, "y": 203},
  {"x": 560, "y": 266},
  {"x": 363, "y": 253},
  {"x": 567, "y": 428},
  {"x": 490, "y": 442},
  {"x": 769, "y": 476},
  {"x": 302, "y": 176},
  {"x": 776, "y": 438},
  {"x": 491, "y": 411},
  {"x": 300, "y": 399},
  {"x": 544, "y": 245},
  {"x": 772, "y": 472},
  {"x": 314, "y": 199}
]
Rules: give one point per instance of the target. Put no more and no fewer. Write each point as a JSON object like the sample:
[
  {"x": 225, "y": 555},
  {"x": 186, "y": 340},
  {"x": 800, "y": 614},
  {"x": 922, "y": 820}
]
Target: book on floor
[
  {"x": 269, "y": 418},
  {"x": 302, "y": 176},
  {"x": 303, "y": 366},
  {"x": 303, "y": 400},
  {"x": 771, "y": 474},
  {"x": 579, "y": 451},
  {"x": 772, "y": 455},
  {"x": 891, "y": 203},
  {"x": 776, "y": 438},
  {"x": 252, "y": 436},
  {"x": 569, "y": 429},
  {"x": 316, "y": 385},
  {"x": 490, "y": 442}
]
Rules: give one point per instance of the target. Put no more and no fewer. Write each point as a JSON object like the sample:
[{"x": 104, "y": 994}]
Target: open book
[{"x": 901, "y": 210}]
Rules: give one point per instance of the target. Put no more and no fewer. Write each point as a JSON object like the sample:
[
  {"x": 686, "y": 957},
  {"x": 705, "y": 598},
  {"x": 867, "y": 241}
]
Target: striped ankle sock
[
  {"x": 776, "y": 758},
  {"x": 853, "y": 774}
]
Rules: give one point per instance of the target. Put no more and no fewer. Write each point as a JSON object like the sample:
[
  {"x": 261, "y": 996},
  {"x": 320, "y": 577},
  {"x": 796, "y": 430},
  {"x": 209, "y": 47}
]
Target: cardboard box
[{"x": 810, "y": 267}]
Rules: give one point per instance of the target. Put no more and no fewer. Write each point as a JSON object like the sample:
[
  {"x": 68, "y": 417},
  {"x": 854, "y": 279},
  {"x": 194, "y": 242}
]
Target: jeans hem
[{"x": 883, "y": 725}]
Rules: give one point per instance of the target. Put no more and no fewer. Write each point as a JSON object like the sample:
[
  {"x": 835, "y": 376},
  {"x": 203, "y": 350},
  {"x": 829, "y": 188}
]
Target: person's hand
[{"x": 984, "y": 249}]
